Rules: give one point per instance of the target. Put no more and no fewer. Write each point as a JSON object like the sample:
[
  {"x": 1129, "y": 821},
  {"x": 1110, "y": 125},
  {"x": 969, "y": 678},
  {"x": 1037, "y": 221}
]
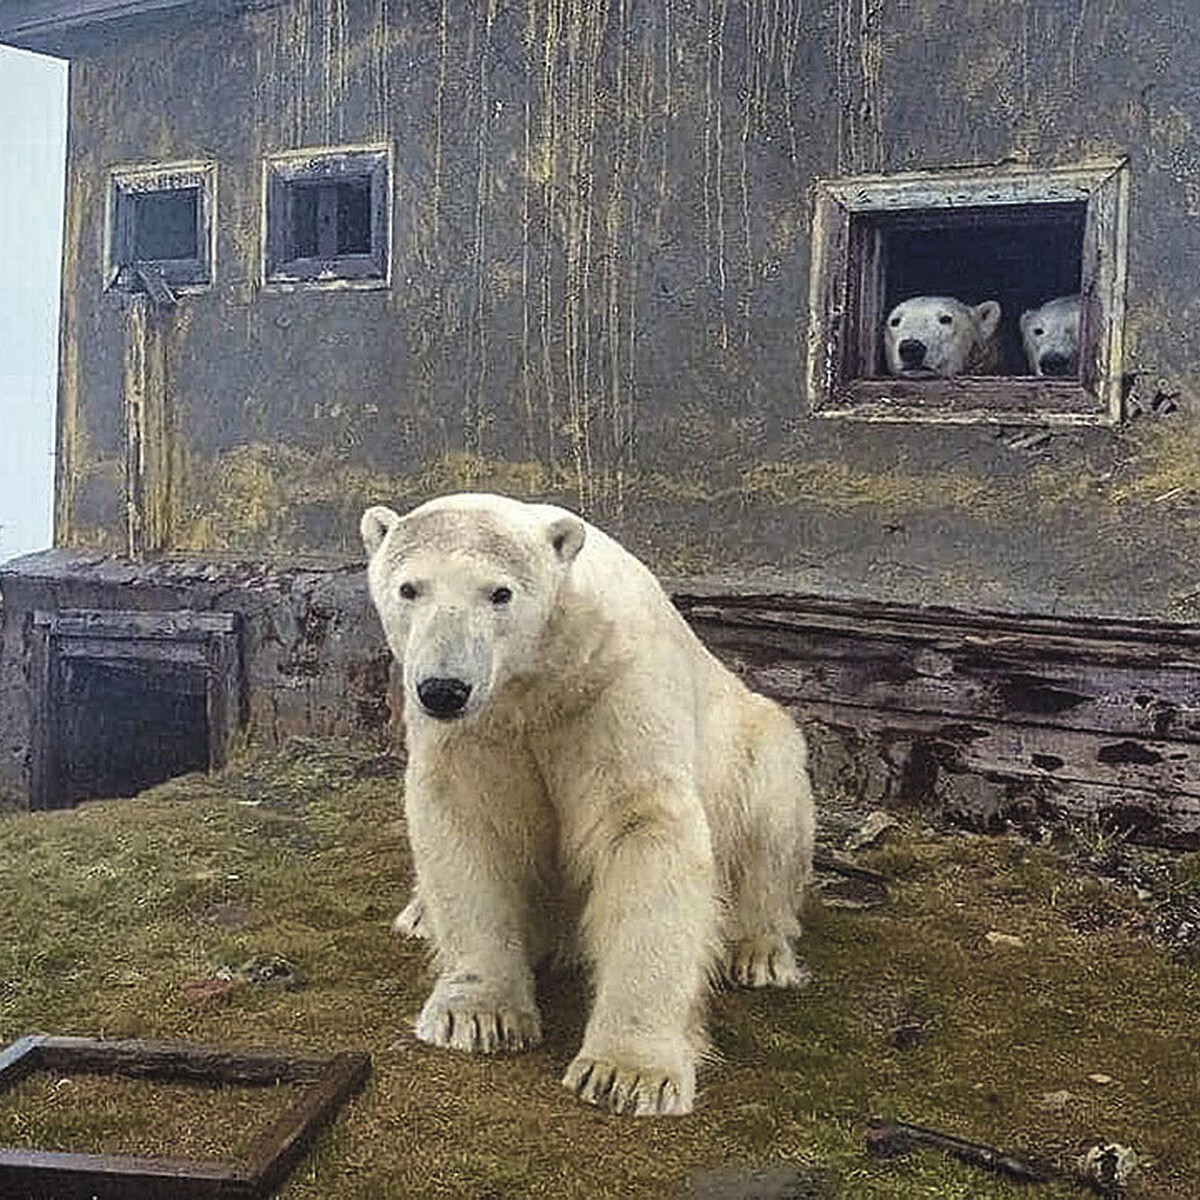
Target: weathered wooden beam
[
  {"x": 50, "y": 1175},
  {"x": 1013, "y": 749},
  {"x": 178, "y": 1061},
  {"x": 282, "y": 1146},
  {"x": 1091, "y": 715},
  {"x": 790, "y": 611}
]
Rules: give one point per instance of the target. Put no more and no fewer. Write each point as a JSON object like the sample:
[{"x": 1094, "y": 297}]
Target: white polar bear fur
[
  {"x": 957, "y": 338},
  {"x": 1052, "y": 332},
  {"x": 609, "y": 782}
]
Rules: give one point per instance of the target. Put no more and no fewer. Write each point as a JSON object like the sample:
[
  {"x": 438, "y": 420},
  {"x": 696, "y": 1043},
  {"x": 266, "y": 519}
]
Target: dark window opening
[
  {"x": 1018, "y": 256},
  {"x": 331, "y": 219},
  {"x": 164, "y": 225},
  {"x": 327, "y": 218},
  {"x": 160, "y": 231}
]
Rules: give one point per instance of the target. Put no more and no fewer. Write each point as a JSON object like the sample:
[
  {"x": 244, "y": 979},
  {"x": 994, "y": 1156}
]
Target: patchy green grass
[{"x": 110, "y": 910}]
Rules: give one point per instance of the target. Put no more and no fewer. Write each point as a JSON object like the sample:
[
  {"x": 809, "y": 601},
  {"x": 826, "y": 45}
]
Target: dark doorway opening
[
  {"x": 125, "y": 726},
  {"x": 131, "y": 699}
]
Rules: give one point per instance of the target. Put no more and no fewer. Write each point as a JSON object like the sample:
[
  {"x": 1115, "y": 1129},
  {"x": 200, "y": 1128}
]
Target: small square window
[
  {"x": 160, "y": 223},
  {"x": 1019, "y": 239},
  {"x": 328, "y": 217}
]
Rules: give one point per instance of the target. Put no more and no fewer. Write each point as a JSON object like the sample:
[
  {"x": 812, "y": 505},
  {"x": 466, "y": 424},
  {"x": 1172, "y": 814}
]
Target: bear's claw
[
  {"x": 478, "y": 1026},
  {"x": 764, "y": 962},
  {"x": 410, "y": 922},
  {"x": 628, "y": 1091}
]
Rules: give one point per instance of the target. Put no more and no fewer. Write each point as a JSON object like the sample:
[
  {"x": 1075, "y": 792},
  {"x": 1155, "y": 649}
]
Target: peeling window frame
[
  {"x": 124, "y": 271},
  {"x": 847, "y": 288},
  {"x": 282, "y": 269}
]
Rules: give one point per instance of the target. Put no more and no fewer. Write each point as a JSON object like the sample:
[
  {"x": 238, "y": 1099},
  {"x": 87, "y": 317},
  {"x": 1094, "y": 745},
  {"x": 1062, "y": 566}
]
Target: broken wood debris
[
  {"x": 839, "y": 866},
  {"x": 892, "y": 1139},
  {"x": 857, "y": 888},
  {"x": 1104, "y": 1168}
]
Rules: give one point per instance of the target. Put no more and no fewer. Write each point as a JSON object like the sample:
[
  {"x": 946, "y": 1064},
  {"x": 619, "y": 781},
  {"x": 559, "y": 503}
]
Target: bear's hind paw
[
  {"x": 629, "y": 1091},
  {"x": 759, "y": 962}
]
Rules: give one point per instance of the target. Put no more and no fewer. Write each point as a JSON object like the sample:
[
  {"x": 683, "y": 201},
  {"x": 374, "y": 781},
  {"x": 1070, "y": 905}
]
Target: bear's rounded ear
[
  {"x": 988, "y": 316},
  {"x": 566, "y": 535},
  {"x": 376, "y": 524},
  {"x": 1026, "y": 317}
]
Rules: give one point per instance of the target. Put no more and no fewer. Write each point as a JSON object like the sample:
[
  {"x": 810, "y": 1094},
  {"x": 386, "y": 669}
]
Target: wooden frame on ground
[{"x": 333, "y": 1079}]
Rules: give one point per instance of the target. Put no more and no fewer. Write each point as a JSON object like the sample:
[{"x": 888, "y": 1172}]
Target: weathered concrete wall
[{"x": 600, "y": 280}]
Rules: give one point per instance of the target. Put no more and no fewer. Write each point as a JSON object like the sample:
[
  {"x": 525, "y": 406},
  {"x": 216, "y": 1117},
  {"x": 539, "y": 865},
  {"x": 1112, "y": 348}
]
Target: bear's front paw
[
  {"x": 631, "y": 1090},
  {"x": 764, "y": 962},
  {"x": 467, "y": 1016}
]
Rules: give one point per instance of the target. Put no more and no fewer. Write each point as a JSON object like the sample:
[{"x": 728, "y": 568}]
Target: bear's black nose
[
  {"x": 912, "y": 352},
  {"x": 442, "y": 697},
  {"x": 1055, "y": 364}
]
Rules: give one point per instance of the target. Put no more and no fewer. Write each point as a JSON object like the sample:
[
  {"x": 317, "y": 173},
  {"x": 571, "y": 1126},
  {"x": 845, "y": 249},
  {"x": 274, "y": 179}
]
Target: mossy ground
[{"x": 111, "y": 908}]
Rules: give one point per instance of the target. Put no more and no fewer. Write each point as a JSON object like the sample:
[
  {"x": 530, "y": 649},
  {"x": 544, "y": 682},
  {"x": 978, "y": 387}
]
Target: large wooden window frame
[{"x": 847, "y": 286}]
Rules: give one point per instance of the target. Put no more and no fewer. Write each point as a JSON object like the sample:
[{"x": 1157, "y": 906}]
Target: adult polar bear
[{"x": 581, "y": 766}]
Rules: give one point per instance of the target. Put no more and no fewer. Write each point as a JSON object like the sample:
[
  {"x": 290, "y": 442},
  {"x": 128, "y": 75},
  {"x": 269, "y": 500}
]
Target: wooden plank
[
  {"x": 1090, "y": 633},
  {"x": 996, "y": 398},
  {"x": 1028, "y": 751},
  {"x": 1105, "y": 268},
  {"x": 760, "y": 640},
  {"x": 223, "y": 701},
  {"x": 972, "y": 187},
  {"x": 167, "y": 1061},
  {"x": 45, "y": 784},
  {"x": 19, "y": 1059},
  {"x": 286, "y": 1142},
  {"x": 828, "y": 318},
  {"x": 174, "y": 624},
  {"x": 111, "y": 649},
  {"x": 1093, "y": 641},
  {"x": 1149, "y": 817},
  {"x": 1139, "y": 679},
  {"x": 50, "y": 1175}
]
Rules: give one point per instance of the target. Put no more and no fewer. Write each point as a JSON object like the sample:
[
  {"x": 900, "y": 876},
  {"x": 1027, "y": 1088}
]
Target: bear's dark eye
[
  {"x": 946, "y": 319},
  {"x": 407, "y": 591},
  {"x": 894, "y": 322},
  {"x": 501, "y": 596},
  {"x": 1038, "y": 331}
]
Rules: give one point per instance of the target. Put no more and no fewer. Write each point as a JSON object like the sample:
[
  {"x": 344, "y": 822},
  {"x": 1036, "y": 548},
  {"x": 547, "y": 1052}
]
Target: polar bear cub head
[
  {"x": 465, "y": 585},
  {"x": 1051, "y": 337},
  {"x": 939, "y": 335}
]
